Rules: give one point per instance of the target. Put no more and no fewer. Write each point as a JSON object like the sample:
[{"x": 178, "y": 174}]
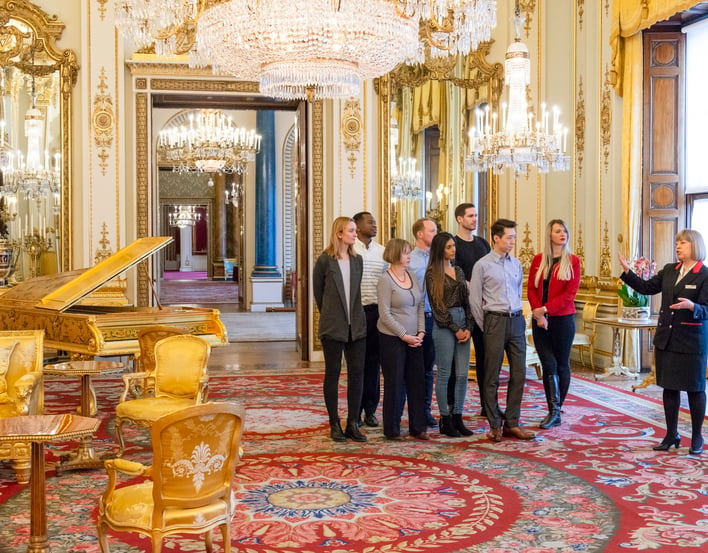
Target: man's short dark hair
[
  {"x": 500, "y": 225},
  {"x": 359, "y": 216},
  {"x": 461, "y": 209}
]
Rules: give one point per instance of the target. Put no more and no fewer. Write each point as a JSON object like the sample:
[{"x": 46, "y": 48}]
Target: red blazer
[{"x": 561, "y": 293}]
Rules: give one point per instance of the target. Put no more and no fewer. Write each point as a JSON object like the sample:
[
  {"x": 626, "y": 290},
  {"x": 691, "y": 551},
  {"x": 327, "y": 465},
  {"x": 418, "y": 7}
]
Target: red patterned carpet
[{"x": 592, "y": 485}]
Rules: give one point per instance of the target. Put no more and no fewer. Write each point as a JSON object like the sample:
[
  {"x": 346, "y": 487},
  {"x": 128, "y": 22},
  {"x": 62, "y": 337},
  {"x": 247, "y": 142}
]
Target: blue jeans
[{"x": 448, "y": 348}]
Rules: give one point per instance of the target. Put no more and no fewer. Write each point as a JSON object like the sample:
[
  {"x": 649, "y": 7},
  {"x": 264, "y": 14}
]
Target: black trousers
[
  {"x": 353, "y": 351},
  {"x": 372, "y": 372},
  {"x": 403, "y": 375}
]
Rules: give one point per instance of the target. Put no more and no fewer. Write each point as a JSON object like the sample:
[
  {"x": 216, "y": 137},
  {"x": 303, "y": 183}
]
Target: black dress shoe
[
  {"x": 667, "y": 442},
  {"x": 696, "y": 446},
  {"x": 371, "y": 420},
  {"x": 431, "y": 422},
  {"x": 353, "y": 433}
]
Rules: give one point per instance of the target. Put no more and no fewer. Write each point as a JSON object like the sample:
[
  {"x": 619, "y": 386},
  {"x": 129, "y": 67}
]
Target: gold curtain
[
  {"x": 629, "y": 18},
  {"x": 430, "y": 107}
]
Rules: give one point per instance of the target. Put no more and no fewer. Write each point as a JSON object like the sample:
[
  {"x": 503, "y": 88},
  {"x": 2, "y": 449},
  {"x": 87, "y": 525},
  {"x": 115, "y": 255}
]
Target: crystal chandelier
[
  {"x": 183, "y": 216},
  {"x": 406, "y": 182},
  {"x": 309, "y": 49},
  {"x": 451, "y": 27},
  {"x": 36, "y": 175},
  {"x": 210, "y": 143},
  {"x": 514, "y": 140},
  {"x": 232, "y": 196},
  {"x": 158, "y": 21},
  {"x": 306, "y": 49}
]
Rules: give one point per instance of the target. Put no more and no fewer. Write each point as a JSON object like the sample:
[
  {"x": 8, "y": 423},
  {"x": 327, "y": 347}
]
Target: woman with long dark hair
[
  {"x": 554, "y": 278},
  {"x": 447, "y": 291}
]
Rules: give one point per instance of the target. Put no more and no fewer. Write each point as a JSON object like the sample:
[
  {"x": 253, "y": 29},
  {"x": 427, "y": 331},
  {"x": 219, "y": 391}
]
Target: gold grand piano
[{"x": 53, "y": 303}]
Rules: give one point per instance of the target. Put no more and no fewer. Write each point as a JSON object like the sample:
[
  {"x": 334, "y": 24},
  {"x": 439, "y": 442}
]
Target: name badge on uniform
[{"x": 690, "y": 286}]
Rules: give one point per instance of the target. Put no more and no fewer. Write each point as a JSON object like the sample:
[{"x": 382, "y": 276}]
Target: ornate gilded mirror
[
  {"x": 36, "y": 81},
  {"x": 425, "y": 111}
]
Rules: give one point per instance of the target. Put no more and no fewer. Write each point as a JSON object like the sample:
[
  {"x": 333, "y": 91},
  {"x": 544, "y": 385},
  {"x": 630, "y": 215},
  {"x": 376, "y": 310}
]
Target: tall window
[{"x": 696, "y": 125}]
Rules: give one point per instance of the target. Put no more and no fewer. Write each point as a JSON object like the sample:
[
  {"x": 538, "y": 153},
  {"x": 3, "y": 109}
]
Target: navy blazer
[
  {"x": 328, "y": 289},
  {"x": 678, "y": 330}
]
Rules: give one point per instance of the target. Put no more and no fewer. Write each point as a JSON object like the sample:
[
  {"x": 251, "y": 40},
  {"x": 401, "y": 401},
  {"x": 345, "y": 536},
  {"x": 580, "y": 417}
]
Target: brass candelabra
[{"x": 34, "y": 244}]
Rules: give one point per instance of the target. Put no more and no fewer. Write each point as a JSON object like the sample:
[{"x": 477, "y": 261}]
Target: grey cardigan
[{"x": 328, "y": 289}]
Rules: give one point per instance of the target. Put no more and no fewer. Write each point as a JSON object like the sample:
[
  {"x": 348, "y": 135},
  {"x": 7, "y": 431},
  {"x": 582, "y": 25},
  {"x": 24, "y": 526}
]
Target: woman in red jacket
[{"x": 554, "y": 278}]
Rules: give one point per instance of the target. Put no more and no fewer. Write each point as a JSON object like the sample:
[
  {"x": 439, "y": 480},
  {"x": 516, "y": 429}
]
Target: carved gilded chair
[
  {"x": 584, "y": 339},
  {"x": 141, "y": 383},
  {"x": 181, "y": 380},
  {"x": 21, "y": 388},
  {"x": 188, "y": 490}
]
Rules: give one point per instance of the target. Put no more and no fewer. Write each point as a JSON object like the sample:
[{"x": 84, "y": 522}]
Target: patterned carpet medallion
[{"x": 593, "y": 484}]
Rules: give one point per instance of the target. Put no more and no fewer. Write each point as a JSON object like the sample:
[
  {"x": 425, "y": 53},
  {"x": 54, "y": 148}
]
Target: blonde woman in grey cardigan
[{"x": 401, "y": 329}]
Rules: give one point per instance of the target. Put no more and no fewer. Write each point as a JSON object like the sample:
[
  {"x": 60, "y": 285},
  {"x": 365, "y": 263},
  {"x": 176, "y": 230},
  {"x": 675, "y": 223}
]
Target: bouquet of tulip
[{"x": 645, "y": 269}]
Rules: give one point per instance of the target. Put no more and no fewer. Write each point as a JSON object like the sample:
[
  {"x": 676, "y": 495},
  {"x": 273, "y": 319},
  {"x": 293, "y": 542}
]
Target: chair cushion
[
  {"x": 151, "y": 408},
  {"x": 5, "y": 354},
  {"x": 132, "y": 506}
]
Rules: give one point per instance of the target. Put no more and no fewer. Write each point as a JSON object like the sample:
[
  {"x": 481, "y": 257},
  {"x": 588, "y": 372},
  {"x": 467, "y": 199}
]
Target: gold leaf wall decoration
[
  {"x": 103, "y": 122},
  {"x": 606, "y": 117},
  {"x": 351, "y": 131},
  {"x": 580, "y": 126}
]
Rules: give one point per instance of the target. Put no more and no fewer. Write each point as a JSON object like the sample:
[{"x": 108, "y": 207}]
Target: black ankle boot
[
  {"x": 335, "y": 432},
  {"x": 553, "y": 418},
  {"x": 460, "y": 426},
  {"x": 447, "y": 428},
  {"x": 353, "y": 433}
]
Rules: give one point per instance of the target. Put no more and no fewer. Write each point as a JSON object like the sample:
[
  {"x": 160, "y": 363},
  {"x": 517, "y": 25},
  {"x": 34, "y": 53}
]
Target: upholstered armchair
[
  {"x": 180, "y": 379},
  {"x": 141, "y": 383},
  {"x": 189, "y": 486},
  {"x": 21, "y": 388}
]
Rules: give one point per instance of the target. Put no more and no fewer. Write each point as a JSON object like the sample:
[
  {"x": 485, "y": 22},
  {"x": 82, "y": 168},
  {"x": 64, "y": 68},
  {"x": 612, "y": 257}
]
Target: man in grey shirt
[{"x": 495, "y": 300}]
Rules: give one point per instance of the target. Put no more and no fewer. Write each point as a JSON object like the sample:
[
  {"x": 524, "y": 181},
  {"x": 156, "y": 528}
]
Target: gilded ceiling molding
[
  {"x": 141, "y": 64},
  {"x": 141, "y": 84},
  {"x": 580, "y": 126},
  {"x": 527, "y": 252},
  {"x": 581, "y": 11},
  {"x": 203, "y": 86},
  {"x": 351, "y": 131},
  {"x": 606, "y": 118},
  {"x": 528, "y": 7},
  {"x": 103, "y": 122}
]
